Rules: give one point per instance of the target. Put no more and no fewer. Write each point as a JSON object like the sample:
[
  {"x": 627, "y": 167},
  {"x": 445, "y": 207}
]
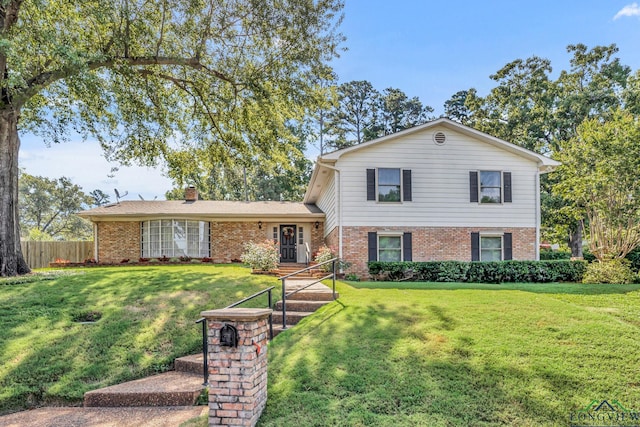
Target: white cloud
[{"x": 629, "y": 10}]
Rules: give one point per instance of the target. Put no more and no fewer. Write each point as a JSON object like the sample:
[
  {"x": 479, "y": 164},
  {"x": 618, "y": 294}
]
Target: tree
[
  {"x": 155, "y": 78},
  {"x": 600, "y": 169},
  {"x": 363, "y": 113},
  {"x": 399, "y": 112},
  {"x": 353, "y": 115},
  {"x": 99, "y": 197},
  {"x": 48, "y": 208},
  {"x": 456, "y": 108},
  {"x": 530, "y": 109}
]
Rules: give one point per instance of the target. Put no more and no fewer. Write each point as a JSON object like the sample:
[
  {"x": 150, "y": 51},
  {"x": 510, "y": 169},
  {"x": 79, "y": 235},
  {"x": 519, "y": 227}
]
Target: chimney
[{"x": 190, "y": 194}]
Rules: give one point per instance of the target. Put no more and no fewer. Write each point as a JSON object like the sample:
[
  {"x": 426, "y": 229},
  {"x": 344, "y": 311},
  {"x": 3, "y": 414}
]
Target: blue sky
[{"x": 427, "y": 49}]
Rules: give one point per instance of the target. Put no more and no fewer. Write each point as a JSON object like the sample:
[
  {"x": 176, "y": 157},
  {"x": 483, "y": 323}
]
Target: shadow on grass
[
  {"x": 539, "y": 288},
  {"x": 147, "y": 319},
  {"x": 384, "y": 364}
]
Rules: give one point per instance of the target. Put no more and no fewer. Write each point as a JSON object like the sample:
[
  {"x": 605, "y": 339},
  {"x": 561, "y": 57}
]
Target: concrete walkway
[{"x": 104, "y": 417}]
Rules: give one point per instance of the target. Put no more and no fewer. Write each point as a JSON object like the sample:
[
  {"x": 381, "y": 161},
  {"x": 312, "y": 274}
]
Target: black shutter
[
  {"x": 473, "y": 186},
  {"x": 506, "y": 176},
  {"x": 373, "y": 246},
  {"x": 407, "y": 247},
  {"x": 507, "y": 242},
  {"x": 406, "y": 185},
  {"x": 475, "y": 246},
  {"x": 371, "y": 184}
]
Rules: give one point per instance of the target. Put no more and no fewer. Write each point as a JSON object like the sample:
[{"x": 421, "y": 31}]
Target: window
[
  {"x": 490, "y": 186},
  {"x": 275, "y": 234},
  {"x": 490, "y": 248},
  {"x": 174, "y": 238},
  {"x": 389, "y": 185},
  {"x": 493, "y": 246},
  {"x": 301, "y": 235},
  {"x": 389, "y": 247}
]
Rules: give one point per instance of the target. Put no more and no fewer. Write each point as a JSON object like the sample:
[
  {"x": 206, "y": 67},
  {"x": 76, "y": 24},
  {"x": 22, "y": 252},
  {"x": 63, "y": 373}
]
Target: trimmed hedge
[{"x": 480, "y": 272}]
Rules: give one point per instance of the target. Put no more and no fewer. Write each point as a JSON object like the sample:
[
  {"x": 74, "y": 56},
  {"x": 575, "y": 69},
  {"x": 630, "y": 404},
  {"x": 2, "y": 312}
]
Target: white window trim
[
  {"x": 202, "y": 245},
  {"x": 399, "y": 234},
  {"x": 401, "y": 186},
  {"x": 501, "y": 172},
  {"x": 499, "y": 234}
]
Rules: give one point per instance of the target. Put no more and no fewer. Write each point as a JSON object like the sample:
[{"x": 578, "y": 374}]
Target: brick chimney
[{"x": 190, "y": 194}]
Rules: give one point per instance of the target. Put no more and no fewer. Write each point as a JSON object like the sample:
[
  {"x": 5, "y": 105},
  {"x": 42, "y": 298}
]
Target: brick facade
[
  {"x": 118, "y": 241},
  {"x": 429, "y": 243},
  {"x": 228, "y": 239},
  {"x": 121, "y": 240},
  {"x": 237, "y": 375}
]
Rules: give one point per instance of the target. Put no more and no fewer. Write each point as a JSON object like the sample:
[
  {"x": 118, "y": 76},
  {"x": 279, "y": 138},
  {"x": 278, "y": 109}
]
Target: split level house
[{"x": 439, "y": 191}]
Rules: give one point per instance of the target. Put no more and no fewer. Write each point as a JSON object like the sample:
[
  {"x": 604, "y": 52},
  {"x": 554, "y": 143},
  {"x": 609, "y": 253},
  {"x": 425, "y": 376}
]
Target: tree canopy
[
  {"x": 530, "y": 108},
  {"x": 153, "y": 79}
]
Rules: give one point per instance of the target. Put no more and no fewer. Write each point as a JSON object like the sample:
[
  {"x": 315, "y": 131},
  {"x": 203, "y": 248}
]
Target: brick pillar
[{"x": 237, "y": 375}]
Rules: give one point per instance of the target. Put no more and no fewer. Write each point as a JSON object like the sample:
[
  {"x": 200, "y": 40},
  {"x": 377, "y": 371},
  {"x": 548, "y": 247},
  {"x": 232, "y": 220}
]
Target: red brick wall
[
  {"x": 317, "y": 237},
  {"x": 228, "y": 239},
  {"x": 118, "y": 241},
  {"x": 429, "y": 244}
]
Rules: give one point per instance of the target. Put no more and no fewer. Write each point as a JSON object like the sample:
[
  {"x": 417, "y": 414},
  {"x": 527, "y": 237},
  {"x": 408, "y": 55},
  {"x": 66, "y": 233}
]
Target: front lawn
[
  {"x": 439, "y": 354},
  {"x": 52, "y": 352}
]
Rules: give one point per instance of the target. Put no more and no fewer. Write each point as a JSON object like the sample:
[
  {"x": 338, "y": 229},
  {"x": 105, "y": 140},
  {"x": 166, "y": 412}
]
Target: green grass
[
  {"x": 401, "y": 354},
  {"x": 417, "y": 354},
  {"x": 146, "y": 320}
]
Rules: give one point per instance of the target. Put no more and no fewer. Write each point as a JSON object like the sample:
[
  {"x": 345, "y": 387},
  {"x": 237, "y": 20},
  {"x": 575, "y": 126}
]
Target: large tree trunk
[
  {"x": 12, "y": 262},
  {"x": 575, "y": 240}
]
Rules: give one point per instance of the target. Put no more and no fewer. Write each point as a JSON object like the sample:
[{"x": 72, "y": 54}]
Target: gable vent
[{"x": 439, "y": 138}]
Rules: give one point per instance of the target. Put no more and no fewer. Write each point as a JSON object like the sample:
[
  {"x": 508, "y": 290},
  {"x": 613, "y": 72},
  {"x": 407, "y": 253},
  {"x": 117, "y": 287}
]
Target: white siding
[
  {"x": 440, "y": 182},
  {"x": 327, "y": 202}
]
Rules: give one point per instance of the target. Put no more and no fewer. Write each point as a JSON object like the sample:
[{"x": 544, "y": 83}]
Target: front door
[{"x": 288, "y": 243}]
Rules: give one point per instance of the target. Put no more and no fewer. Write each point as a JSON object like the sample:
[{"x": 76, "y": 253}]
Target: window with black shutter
[
  {"x": 389, "y": 185},
  {"x": 488, "y": 187}
]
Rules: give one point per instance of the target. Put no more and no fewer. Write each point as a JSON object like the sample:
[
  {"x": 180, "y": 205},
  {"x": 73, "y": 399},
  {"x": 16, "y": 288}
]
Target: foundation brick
[{"x": 428, "y": 243}]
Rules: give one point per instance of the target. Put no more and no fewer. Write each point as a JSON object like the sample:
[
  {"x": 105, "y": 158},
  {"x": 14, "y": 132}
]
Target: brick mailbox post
[{"x": 237, "y": 365}]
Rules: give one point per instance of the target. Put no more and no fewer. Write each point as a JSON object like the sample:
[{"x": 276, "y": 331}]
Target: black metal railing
[
  {"x": 205, "y": 341},
  {"x": 332, "y": 276}
]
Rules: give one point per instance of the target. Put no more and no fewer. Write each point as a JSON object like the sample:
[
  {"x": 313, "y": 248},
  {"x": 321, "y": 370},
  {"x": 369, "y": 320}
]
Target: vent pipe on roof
[{"x": 190, "y": 194}]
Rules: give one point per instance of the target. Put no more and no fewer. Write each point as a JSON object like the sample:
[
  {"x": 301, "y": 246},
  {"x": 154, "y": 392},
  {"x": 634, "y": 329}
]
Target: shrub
[
  {"x": 548, "y": 255},
  {"x": 480, "y": 272},
  {"x": 261, "y": 256},
  {"x": 325, "y": 254},
  {"x": 611, "y": 271},
  {"x": 634, "y": 259},
  {"x": 185, "y": 258}
]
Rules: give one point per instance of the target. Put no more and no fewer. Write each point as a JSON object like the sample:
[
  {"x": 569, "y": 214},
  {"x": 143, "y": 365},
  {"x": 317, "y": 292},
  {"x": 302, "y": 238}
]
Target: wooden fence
[{"x": 40, "y": 254}]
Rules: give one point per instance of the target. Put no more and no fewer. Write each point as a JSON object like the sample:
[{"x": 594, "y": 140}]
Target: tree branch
[{"x": 44, "y": 79}]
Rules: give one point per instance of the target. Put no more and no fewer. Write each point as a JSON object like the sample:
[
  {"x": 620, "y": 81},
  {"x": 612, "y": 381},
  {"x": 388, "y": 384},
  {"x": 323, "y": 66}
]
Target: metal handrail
[
  {"x": 308, "y": 268},
  {"x": 205, "y": 351},
  {"x": 205, "y": 341},
  {"x": 284, "y": 278},
  {"x": 307, "y": 252}
]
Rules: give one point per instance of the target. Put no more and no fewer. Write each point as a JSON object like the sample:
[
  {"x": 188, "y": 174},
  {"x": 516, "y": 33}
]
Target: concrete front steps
[
  {"x": 173, "y": 388},
  {"x": 285, "y": 269},
  {"x": 301, "y": 304},
  {"x": 183, "y": 386}
]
